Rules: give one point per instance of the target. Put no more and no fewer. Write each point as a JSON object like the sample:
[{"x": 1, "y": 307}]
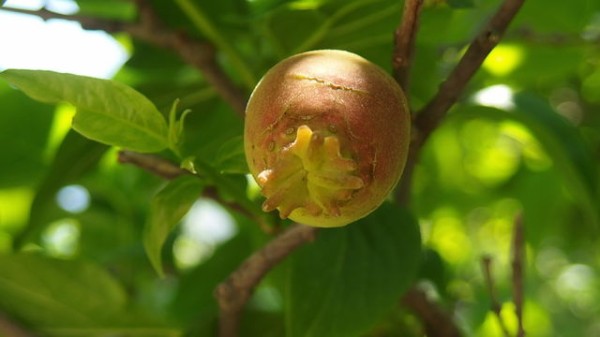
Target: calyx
[{"x": 310, "y": 174}]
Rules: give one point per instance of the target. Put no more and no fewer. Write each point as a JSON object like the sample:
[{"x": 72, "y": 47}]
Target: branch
[
  {"x": 518, "y": 256},
  {"x": 150, "y": 28},
  {"x": 496, "y": 307},
  {"x": 404, "y": 41},
  {"x": 167, "y": 170},
  {"x": 233, "y": 293},
  {"x": 153, "y": 164},
  {"x": 431, "y": 115},
  {"x": 9, "y": 328},
  {"x": 437, "y": 323}
]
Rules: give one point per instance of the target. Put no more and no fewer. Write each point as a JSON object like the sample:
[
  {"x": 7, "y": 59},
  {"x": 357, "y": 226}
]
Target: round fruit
[{"x": 326, "y": 137}]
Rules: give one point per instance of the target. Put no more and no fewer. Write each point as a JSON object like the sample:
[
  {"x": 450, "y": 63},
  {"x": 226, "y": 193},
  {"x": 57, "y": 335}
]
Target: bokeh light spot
[
  {"x": 206, "y": 225},
  {"x": 499, "y": 96},
  {"x": 503, "y": 60},
  {"x": 61, "y": 238},
  {"x": 449, "y": 239},
  {"x": 73, "y": 198}
]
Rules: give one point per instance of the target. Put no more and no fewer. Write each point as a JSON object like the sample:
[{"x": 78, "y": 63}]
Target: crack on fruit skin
[
  {"x": 310, "y": 174},
  {"x": 374, "y": 162},
  {"x": 272, "y": 126},
  {"x": 327, "y": 83}
]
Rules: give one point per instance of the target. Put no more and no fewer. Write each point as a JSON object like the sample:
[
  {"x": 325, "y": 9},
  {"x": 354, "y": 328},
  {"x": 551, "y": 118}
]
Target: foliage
[{"x": 131, "y": 262}]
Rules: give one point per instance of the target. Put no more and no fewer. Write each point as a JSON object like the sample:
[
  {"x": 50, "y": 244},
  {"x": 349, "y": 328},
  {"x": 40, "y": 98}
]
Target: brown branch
[
  {"x": 149, "y": 28},
  {"x": 233, "y": 293},
  {"x": 404, "y": 41},
  {"x": 432, "y": 114},
  {"x": 495, "y": 307},
  {"x": 518, "y": 256},
  {"x": 201, "y": 55},
  {"x": 153, "y": 164},
  {"x": 9, "y": 328},
  {"x": 167, "y": 170},
  {"x": 437, "y": 322}
]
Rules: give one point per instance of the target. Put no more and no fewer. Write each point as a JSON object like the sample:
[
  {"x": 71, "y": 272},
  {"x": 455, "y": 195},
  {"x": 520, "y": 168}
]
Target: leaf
[
  {"x": 201, "y": 308},
  {"x": 231, "y": 157},
  {"x": 63, "y": 298},
  {"x": 107, "y": 9},
  {"x": 107, "y": 111},
  {"x": 207, "y": 128},
  {"x": 559, "y": 16},
  {"x": 50, "y": 292},
  {"x": 560, "y": 139},
  {"x": 232, "y": 188},
  {"x": 282, "y": 25},
  {"x": 350, "y": 277},
  {"x": 461, "y": 3},
  {"x": 565, "y": 145},
  {"x": 168, "y": 208},
  {"x": 22, "y": 160}
]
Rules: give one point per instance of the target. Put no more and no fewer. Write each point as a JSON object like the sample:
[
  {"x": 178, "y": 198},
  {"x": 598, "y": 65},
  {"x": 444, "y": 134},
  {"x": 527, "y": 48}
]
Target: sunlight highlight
[
  {"x": 14, "y": 207},
  {"x": 73, "y": 198},
  {"x": 206, "y": 225},
  {"x": 498, "y": 96},
  {"x": 448, "y": 237},
  {"x": 61, "y": 238},
  {"x": 503, "y": 60},
  {"x": 57, "y": 45}
]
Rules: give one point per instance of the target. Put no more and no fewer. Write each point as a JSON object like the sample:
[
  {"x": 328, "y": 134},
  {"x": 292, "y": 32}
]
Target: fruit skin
[{"x": 326, "y": 137}]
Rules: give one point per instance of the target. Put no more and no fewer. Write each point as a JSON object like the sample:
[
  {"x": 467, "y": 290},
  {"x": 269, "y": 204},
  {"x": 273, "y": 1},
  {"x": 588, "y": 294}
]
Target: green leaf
[
  {"x": 461, "y": 3},
  {"x": 231, "y": 188},
  {"x": 231, "y": 157},
  {"x": 565, "y": 145},
  {"x": 207, "y": 127},
  {"x": 107, "y": 9},
  {"x": 49, "y": 292},
  {"x": 107, "y": 111},
  {"x": 282, "y": 25},
  {"x": 201, "y": 308},
  {"x": 61, "y": 298},
  {"x": 561, "y": 140},
  {"x": 22, "y": 160},
  {"x": 350, "y": 277},
  {"x": 559, "y": 16},
  {"x": 168, "y": 208}
]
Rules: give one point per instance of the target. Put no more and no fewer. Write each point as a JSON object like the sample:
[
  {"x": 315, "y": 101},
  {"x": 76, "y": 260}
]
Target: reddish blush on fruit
[{"x": 326, "y": 137}]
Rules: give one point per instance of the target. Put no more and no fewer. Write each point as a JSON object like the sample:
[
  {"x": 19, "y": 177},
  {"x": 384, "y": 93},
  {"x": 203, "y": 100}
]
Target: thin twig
[
  {"x": 404, "y": 45},
  {"x": 495, "y": 307},
  {"x": 151, "y": 163},
  {"x": 518, "y": 256},
  {"x": 404, "y": 41},
  {"x": 9, "y": 328},
  {"x": 436, "y": 321},
  {"x": 233, "y": 293},
  {"x": 149, "y": 28},
  {"x": 431, "y": 115},
  {"x": 167, "y": 170}
]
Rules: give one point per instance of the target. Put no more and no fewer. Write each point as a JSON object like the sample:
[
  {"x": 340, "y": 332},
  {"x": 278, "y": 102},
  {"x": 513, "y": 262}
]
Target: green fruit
[{"x": 326, "y": 137}]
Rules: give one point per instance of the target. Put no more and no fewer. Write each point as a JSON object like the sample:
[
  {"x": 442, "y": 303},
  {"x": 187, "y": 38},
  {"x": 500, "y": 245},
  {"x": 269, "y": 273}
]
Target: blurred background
[{"x": 524, "y": 139}]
